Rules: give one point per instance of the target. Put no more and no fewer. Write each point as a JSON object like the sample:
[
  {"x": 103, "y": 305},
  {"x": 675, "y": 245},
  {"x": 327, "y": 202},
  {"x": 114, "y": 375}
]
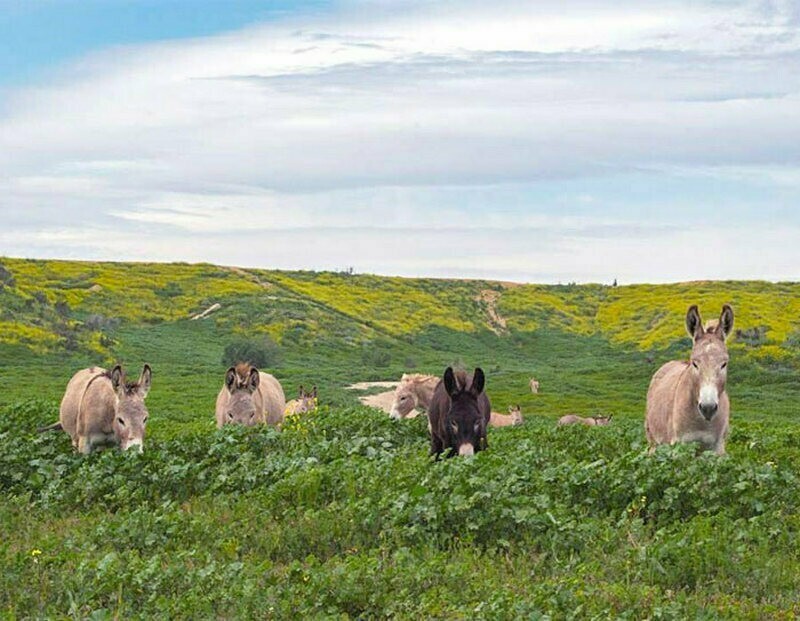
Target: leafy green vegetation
[{"x": 342, "y": 513}]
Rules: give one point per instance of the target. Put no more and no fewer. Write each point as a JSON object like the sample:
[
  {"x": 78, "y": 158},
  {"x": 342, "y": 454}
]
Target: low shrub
[{"x": 261, "y": 352}]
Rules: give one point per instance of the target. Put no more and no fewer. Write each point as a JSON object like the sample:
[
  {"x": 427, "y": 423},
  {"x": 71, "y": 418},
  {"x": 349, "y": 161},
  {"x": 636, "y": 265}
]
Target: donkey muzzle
[
  {"x": 708, "y": 404},
  {"x": 136, "y": 445},
  {"x": 708, "y": 410},
  {"x": 466, "y": 449}
]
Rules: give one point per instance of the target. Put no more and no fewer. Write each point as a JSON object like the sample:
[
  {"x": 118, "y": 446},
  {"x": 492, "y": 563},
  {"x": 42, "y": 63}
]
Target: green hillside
[{"x": 342, "y": 514}]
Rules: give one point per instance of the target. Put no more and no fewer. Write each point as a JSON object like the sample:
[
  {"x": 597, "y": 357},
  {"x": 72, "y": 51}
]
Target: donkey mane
[
  {"x": 242, "y": 372},
  {"x": 243, "y": 368}
]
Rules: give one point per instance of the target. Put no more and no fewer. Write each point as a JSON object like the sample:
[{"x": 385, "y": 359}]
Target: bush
[
  {"x": 752, "y": 336},
  {"x": 98, "y": 322},
  {"x": 261, "y": 352},
  {"x": 170, "y": 290},
  {"x": 6, "y": 277},
  {"x": 792, "y": 341},
  {"x": 62, "y": 308},
  {"x": 376, "y": 357}
]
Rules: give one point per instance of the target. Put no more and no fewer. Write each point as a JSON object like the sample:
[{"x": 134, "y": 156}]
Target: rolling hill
[{"x": 342, "y": 514}]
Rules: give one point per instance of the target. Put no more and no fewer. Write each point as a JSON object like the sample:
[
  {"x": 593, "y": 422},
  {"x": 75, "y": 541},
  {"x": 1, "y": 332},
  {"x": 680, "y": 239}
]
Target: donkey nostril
[{"x": 708, "y": 409}]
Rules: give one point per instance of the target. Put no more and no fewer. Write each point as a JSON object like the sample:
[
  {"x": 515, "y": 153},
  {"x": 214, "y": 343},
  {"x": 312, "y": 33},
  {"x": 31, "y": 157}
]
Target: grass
[{"x": 342, "y": 514}]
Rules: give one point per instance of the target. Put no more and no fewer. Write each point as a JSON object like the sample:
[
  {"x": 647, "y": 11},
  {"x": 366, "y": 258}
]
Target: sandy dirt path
[
  {"x": 381, "y": 401},
  {"x": 368, "y": 385}
]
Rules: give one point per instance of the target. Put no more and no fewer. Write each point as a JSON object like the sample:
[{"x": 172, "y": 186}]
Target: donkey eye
[
  {"x": 724, "y": 364},
  {"x": 230, "y": 415},
  {"x": 694, "y": 364},
  {"x": 144, "y": 420},
  {"x": 120, "y": 421},
  {"x": 454, "y": 426}
]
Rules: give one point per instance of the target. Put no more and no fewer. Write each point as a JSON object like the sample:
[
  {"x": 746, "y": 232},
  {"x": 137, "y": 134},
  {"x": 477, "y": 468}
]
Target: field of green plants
[{"x": 342, "y": 514}]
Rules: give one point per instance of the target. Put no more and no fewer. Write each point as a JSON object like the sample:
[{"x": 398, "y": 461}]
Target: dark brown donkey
[{"x": 459, "y": 414}]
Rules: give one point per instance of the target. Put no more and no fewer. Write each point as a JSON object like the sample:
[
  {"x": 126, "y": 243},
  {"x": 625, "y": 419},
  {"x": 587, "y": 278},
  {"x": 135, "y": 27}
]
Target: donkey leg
[
  {"x": 84, "y": 445},
  {"x": 436, "y": 447}
]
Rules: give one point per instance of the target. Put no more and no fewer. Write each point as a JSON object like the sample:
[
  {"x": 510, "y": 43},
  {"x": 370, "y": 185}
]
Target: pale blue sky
[
  {"x": 548, "y": 141},
  {"x": 35, "y": 35}
]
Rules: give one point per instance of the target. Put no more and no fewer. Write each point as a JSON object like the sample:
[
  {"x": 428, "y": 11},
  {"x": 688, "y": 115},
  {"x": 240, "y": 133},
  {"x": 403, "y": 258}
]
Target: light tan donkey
[
  {"x": 414, "y": 391},
  {"x": 514, "y": 417},
  {"x": 687, "y": 401},
  {"x": 305, "y": 402},
  {"x": 101, "y": 408},
  {"x": 250, "y": 397},
  {"x": 589, "y": 421}
]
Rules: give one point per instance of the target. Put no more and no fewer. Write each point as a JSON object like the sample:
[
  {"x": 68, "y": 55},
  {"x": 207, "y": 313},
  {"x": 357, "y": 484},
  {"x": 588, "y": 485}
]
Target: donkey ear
[
  {"x": 450, "y": 384},
  {"x": 725, "y": 322},
  {"x": 313, "y": 392},
  {"x": 144, "y": 380},
  {"x": 478, "y": 382},
  {"x": 117, "y": 377},
  {"x": 301, "y": 392},
  {"x": 253, "y": 380},
  {"x": 230, "y": 378},
  {"x": 694, "y": 324}
]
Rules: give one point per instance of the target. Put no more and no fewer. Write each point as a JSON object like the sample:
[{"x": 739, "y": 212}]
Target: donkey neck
[{"x": 424, "y": 390}]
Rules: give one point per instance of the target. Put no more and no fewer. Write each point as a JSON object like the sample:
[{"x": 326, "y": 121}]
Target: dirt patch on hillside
[{"x": 497, "y": 322}]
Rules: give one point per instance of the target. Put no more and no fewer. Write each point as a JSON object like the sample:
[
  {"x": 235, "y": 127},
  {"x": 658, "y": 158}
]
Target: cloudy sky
[{"x": 544, "y": 141}]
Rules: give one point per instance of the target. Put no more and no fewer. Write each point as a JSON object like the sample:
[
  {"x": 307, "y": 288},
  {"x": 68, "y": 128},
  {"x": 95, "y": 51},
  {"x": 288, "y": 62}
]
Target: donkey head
[
  {"x": 405, "y": 399},
  {"x": 465, "y": 424},
  {"x": 709, "y": 361},
  {"x": 130, "y": 412},
  {"x": 242, "y": 382},
  {"x": 307, "y": 400}
]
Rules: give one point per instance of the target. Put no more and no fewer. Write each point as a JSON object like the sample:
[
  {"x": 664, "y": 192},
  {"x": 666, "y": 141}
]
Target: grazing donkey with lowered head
[
  {"x": 589, "y": 421},
  {"x": 249, "y": 397},
  {"x": 687, "y": 401},
  {"x": 459, "y": 414},
  {"x": 102, "y": 408}
]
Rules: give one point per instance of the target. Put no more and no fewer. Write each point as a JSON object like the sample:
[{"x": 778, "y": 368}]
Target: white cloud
[{"x": 382, "y": 119}]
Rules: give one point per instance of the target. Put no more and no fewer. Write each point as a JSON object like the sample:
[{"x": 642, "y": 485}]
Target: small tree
[{"x": 261, "y": 352}]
